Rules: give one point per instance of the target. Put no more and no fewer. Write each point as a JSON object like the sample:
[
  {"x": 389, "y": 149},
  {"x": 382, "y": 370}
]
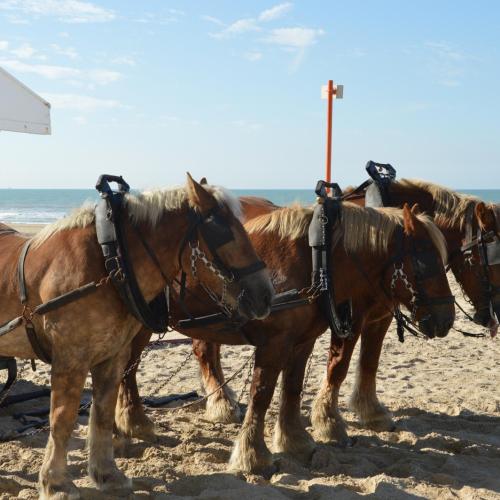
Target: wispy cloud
[
  {"x": 47, "y": 71},
  {"x": 69, "y": 11},
  {"x": 69, "y": 52},
  {"x": 81, "y": 103},
  {"x": 248, "y": 24},
  {"x": 24, "y": 51},
  {"x": 237, "y": 28},
  {"x": 295, "y": 40},
  {"x": 166, "y": 17},
  {"x": 275, "y": 12},
  {"x": 213, "y": 20},
  {"x": 4, "y": 44},
  {"x": 54, "y": 72}
]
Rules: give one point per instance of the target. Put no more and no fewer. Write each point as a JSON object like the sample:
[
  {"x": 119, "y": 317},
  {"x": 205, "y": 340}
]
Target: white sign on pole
[
  {"x": 338, "y": 91},
  {"x": 21, "y": 110}
]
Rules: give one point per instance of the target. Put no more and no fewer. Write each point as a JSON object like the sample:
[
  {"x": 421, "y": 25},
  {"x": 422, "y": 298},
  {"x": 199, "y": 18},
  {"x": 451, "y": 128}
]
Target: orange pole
[{"x": 328, "y": 176}]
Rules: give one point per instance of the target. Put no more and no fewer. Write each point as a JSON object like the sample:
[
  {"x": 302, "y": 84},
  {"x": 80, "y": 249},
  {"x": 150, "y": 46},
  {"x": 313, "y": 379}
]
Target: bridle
[
  {"x": 216, "y": 232},
  {"x": 424, "y": 266},
  {"x": 488, "y": 248}
]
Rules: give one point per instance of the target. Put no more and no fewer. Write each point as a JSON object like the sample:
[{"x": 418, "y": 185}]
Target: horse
[
  {"x": 164, "y": 230},
  {"x": 456, "y": 215},
  {"x": 369, "y": 240}
]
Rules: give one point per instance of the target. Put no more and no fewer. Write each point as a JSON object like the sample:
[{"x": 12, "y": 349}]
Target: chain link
[{"x": 399, "y": 274}]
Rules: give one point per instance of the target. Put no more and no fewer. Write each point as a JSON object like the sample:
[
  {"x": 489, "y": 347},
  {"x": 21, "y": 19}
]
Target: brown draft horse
[
  {"x": 94, "y": 333},
  {"x": 449, "y": 210},
  {"x": 280, "y": 239}
]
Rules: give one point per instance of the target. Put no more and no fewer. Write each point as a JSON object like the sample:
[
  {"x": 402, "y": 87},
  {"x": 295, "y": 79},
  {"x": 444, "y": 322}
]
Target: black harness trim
[
  {"x": 326, "y": 219},
  {"x": 111, "y": 237},
  {"x": 36, "y": 345}
]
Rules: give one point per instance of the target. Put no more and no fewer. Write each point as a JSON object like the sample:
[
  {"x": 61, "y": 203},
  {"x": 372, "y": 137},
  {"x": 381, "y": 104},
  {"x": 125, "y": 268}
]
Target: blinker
[
  {"x": 216, "y": 231},
  {"x": 493, "y": 252},
  {"x": 426, "y": 265}
]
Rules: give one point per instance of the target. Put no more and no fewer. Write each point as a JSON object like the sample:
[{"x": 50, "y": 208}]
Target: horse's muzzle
[
  {"x": 256, "y": 296},
  {"x": 437, "y": 324}
]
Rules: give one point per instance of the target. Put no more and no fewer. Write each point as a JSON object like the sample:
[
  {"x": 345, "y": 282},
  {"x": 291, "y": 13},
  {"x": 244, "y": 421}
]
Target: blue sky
[{"x": 231, "y": 90}]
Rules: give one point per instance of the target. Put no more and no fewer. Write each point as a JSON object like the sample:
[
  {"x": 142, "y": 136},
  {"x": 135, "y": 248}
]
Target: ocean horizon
[{"x": 43, "y": 206}]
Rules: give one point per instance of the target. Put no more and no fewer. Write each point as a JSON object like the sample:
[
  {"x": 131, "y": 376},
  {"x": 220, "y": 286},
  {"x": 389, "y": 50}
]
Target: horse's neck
[
  {"x": 357, "y": 275},
  {"x": 288, "y": 261},
  {"x": 425, "y": 200}
]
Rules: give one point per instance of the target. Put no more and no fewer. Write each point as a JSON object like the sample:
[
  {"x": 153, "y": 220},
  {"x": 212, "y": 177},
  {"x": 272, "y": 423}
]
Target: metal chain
[
  {"x": 9, "y": 390},
  {"x": 306, "y": 378},
  {"x": 176, "y": 371},
  {"x": 399, "y": 274},
  {"x": 247, "y": 380},
  {"x": 206, "y": 396},
  {"x": 198, "y": 254}
]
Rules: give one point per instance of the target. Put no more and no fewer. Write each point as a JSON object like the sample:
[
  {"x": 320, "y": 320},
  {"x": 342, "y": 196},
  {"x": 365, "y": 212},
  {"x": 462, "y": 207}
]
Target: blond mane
[
  {"x": 148, "y": 206},
  {"x": 362, "y": 228},
  {"x": 450, "y": 207}
]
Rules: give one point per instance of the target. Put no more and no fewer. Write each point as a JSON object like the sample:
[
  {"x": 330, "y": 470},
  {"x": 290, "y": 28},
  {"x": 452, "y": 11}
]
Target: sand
[{"x": 444, "y": 395}]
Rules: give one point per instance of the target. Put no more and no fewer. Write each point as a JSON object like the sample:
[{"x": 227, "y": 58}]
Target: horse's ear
[
  {"x": 203, "y": 181},
  {"x": 485, "y": 217},
  {"x": 199, "y": 197},
  {"x": 415, "y": 210},
  {"x": 409, "y": 220}
]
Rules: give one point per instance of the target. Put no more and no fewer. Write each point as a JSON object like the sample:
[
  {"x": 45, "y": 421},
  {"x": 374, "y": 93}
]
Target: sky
[{"x": 230, "y": 90}]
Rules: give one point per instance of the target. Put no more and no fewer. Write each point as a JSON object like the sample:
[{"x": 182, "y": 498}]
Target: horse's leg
[
  {"x": 326, "y": 420},
  {"x": 221, "y": 405},
  {"x": 250, "y": 453},
  {"x": 364, "y": 399},
  {"x": 290, "y": 435},
  {"x": 106, "y": 378},
  {"x": 66, "y": 388},
  {"x": 130, "y": 419}
]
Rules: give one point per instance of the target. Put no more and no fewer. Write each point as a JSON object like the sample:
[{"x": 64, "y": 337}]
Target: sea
[{"x": 43, "y": 206}]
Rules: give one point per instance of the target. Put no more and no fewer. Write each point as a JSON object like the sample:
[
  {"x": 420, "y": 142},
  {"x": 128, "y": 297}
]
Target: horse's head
[
  {"x": 477, "y": 265},
  {"x": 222, "y": 257},
  {"x": 418, "y": 274}
]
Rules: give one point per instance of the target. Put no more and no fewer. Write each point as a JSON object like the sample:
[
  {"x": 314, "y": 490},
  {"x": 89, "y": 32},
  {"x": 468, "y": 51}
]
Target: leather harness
[
  {"x": 111, "y": 237},
  {"x": 324, "y": 234}
]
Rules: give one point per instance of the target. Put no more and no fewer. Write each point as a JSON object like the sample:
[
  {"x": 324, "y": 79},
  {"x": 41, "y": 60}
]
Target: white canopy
[{"x": 21, "y": 110}]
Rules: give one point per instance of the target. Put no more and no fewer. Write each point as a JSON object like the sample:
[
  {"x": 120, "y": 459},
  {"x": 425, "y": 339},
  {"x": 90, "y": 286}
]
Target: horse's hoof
[
  {"x": 110, "y": 479},
  {"x": 382, "y": 423},
  {"x": 222, "y": 411},
  {"x": 63, "y": 491},
  {"x": 267, "y": 471}
]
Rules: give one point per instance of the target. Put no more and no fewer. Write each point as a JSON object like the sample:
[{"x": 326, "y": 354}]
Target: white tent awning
[{"x": 21, "y": 110}]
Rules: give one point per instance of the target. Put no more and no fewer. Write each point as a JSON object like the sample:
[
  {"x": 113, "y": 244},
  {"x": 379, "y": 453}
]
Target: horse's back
[{"x": 253, "y": 206}]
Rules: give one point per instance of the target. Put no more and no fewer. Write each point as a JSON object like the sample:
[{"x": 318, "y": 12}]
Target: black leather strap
[
  {"x": 111, "y": 237},
  {"x": 23, "y": 294},
  {"x": 36, "y": 345}
]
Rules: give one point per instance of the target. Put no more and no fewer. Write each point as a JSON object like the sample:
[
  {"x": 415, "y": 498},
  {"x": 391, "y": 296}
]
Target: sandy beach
[{"x": 444, "y": 395}]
